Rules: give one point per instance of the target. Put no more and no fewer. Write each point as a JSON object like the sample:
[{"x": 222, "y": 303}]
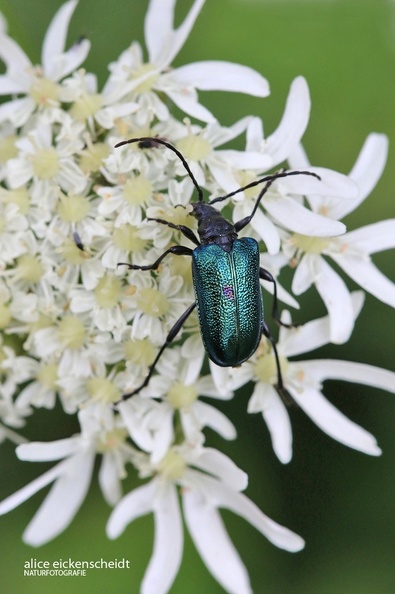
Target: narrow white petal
[
  {"x": 349, "y": 371},
  {"x": 304, "y": 274},
  {"x": 244, "y": 159},
  {"x": 368, "y": 167},
  {"x": 158, "y": 28},
  {"x": 239, "y": 504},
  {"x": 267, "y": 231},
  {"x": 62, "y": 502},
  {"x": 223, "y": 175},
  {"x": 109, "y": 479},
  {"x": 13, "y": 55},
  {"x": 168, "y": 544},
  {"x": 215, "y": 75},
  {"x": 373, "y": 238},
  {"x": 218, "y": 464},
  {"x": 337, "y": 299},
  {"x": 282, "y": 294},
  {"x": 44, "y": 451},
  {"x": 226, "y": 134},
  {"x": 254, "y": 136},
  {"x": 191, "y": 106},
  {"x": 163, "y": 42},
  {"x": 17, "y": 111},
  {"x": 55, "y": 37},
  {"x": 72, "y": 59},
  {"x": 9, "y": 86},
  {"x": 299, "y": 219},
  {"x": 332, "y": 183},
  {"x": 314, "y": 334},
  {"x": 368, "y": 276},
  {"x": 211, "y": 417},
  {"x": 298, "y": 158},
  {"x": 212, "y": 541},
  {"x": 138, "y": 502},
  {"x": 26, "y": 492},
  {"x": 293, "y": 123},
  {"x": 333, "y": 422},
  {"x": 266, "y": 400}
]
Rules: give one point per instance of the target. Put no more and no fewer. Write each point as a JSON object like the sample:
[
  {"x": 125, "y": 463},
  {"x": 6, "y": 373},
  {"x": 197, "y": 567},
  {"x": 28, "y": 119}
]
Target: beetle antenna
[
  {"x": 268, "y": 178},
  {"x": 172, "y": 148}
]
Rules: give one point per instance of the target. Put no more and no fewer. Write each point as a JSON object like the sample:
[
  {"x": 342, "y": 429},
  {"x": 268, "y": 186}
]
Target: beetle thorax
[{"x": 213, "y": 227}]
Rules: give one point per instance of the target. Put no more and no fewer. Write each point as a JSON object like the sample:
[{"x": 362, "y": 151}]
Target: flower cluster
[{"x": 81, "y": 329}]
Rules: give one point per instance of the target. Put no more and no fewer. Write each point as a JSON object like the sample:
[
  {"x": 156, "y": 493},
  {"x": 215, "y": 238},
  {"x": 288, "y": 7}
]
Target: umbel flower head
[{"x": 87, "y": 331}]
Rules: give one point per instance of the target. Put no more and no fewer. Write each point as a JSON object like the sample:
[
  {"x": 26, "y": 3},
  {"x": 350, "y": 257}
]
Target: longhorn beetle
[{"x": 226, "y": 274}]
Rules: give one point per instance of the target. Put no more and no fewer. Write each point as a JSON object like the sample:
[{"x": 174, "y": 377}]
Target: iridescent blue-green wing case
[{"x": 229, "y": 300}]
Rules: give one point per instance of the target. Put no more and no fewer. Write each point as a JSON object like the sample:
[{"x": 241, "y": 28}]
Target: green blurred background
[{"x": 341, "y": 501}]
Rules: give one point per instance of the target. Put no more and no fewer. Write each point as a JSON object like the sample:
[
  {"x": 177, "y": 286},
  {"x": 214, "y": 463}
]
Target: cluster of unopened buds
[{"x": 121, "y": 347}]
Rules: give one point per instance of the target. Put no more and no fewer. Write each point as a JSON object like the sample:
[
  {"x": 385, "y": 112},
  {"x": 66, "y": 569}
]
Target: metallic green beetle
[{"x": 226, "y": 277}]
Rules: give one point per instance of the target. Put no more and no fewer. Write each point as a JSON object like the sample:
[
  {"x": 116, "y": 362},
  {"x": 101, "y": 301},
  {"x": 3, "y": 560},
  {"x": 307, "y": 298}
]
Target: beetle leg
[
  {"x": 172, "y": 334},
  {"x": 265, "y": 275},
  {"x": 244, "y": 222},
  {"x": 280, "y": 388},
  {"x": 189, "y": 234},
  {"x": 177, "y": 250}
]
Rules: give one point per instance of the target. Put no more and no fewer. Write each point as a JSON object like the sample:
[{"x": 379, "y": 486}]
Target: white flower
[
  {"x": 198, "y": 147},
  {"x": 351, "y": 251},
  {"x": 209, "y": 480},
  {"x": 39, "y": 84},
  {"x": 131, "y": 76},
  {"x": 279, "y": 145},
  {"x": 48, "y": 166},
  {"x": 303, "y": 381},
  {"x": 72, "y": 476},
  {"x": 151, "y": 423}
]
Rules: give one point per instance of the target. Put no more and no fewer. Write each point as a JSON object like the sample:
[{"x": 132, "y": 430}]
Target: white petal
[
  {"x": 55, "y": 38},
  {"x": 9, "y": 86},
  {"x": 337, "y": 299},
  {"x": 267, "y": 231},
  {"x": 215, "y": 75},
  {"x": 349, "y": 371},
  {"x": 62, "y": 502},
  {"x": 368, "y": 276},
  {"x": 254, "y": 136},
  {"x": 368, "y": 167},
  {"x": 109, "y": 479},
  {"x": 73, "y": 58},
  {"x": 13, "y": 56},
  {"x": 314, "y": 334},
  {"x": 244, "y": 159},
  {"x": 332, "y": 421},
  {"x": 166, "y": 558},
  {"x": 332, "y": 184},
  {"x": 211, "y": 417},
  {"x": 45, "y": 451},
  {"x": 373, "y": 238},
  {"x": 239, "y": 504},
  {"x": 216, "y": 463},
  {"x": 30, "y": 489},
  {"x": 135, "y": 504},
  {"x": 164, "y": 43},
  {"x": 304, "y": 274},
  {"x": 212, "y": 541},
  {"x": 191, "y": 106},
  {"x": 266, "y": 400},
  {"x": 293, "y": 123},
  {"x": 299, "y": 219},
  {"x": 298, "y": 159},
  {"x": 223, "y": 175}
]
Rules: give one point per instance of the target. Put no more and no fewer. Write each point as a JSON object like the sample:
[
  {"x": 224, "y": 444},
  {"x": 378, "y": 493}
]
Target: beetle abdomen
[{"x": 229, "y": 300}]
